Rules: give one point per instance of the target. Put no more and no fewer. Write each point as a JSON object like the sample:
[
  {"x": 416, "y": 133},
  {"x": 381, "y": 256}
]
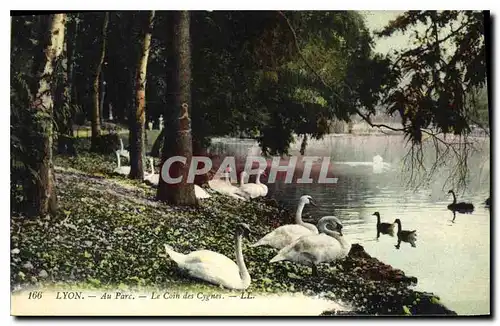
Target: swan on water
[
  {"x": 384, "y": 228},
  {"x": 286, "y": 234},
  {"x": 122, "y": 151},
  {"x": 313, "y": 249},
  {"x": 253, "y": 190},
  {"x": 405, "y": 235},
  {"x": 214, "y": 267},
  {"x": 123, "y": 170},
  {"x": 224, "y": 187}
]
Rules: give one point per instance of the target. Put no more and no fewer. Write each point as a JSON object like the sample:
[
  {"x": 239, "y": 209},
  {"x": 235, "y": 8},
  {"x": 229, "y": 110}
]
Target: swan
[
  {"x": 286, "y": 234},
  {"x": 200, "y": 193},
  {"x": 384, "y": 228},
  {"x": 263, "y": 186},
  {"x": 122, "y": 151},
  {"x": 253, "y": 190},
  {"x": 405, "y": 235},
  {"x": 123, "y": 170},
  {"x": 152, "y": 178},
  {"x": 226, "y": 188},
  {"x": 313, "y": 249},
  {"x": 214, "y": 267}
]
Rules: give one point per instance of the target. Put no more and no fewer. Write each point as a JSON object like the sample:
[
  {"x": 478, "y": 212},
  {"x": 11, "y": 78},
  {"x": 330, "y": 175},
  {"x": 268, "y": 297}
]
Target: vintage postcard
[{"x": 250, "y": 163}]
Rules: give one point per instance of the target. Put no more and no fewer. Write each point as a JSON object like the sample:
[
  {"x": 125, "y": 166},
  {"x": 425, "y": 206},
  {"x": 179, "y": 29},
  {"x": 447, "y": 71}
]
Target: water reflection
[{"x": 449, "y": 259}]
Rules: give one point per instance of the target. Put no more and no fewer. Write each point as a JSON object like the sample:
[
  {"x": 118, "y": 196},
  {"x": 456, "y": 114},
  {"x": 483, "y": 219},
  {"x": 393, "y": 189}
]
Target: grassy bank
[{"x": 110, "y": 231}]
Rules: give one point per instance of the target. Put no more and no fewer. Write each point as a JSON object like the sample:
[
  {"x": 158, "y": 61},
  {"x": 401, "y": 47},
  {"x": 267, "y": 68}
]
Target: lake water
[{"x": 451, "y": 260}]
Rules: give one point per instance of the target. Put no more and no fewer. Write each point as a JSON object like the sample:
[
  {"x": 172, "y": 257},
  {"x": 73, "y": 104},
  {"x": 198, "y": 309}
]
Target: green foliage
[{"x": 434, "y": 77}]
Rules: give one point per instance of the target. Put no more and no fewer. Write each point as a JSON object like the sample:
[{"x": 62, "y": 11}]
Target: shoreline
[{"x": 107, "y": 222}]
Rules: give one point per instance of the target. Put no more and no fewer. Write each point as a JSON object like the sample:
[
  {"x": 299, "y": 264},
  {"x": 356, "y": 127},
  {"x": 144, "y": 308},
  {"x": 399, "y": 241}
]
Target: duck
[
  {"x": 286, "y": 234},
  {"x": 461, "y": 207},
  {"x": 384, "y": 228},
  {"x": 214, "y": 267},
  {"x": 313, "y": 249},
  {"x": 123, "y": 170},
  {"x": 122, "y": 151},
  {"x": 224, "y": 187},
  {"x": 253, "y": 190},
  {"x": 405, "y": 235}
]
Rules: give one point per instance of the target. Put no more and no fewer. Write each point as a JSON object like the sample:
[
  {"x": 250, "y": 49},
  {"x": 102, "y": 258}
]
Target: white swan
[
  {"x": 122, "y": 151},
  {"x": 311, "y": 250},
  {"x": 200, "y": 193},
  {"x": 123, "y": 170},
  {"x": 253, "y": 190},
  {"x": 214, "y": 267},
  {"x": 226, "y": 188},
  {"x": 152, "y": 178},
  {"x": 286, "y": 234},
  {"x": 263, "y": 186}
]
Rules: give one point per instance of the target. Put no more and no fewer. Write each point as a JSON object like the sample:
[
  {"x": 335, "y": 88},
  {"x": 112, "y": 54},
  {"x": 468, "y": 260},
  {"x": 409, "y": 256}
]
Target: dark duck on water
[
  {"x": 461, "y": 207},
  {"x": 405, "y": 235},
  {"x": 384, "y": 228}
]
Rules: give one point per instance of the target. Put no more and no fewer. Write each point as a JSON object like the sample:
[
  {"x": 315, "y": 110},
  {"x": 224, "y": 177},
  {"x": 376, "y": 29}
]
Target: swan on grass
[
  {"x": 123, "y": 170},
  {"x": 286, "y": 234},
  {"x": 253, "y": 190},
  {"x": 405, "y": 235},
  {"x": 384, "y": 228},
  {"x": 313, "y": 249},
  {"x": 154, "y": 179},
  {"x": 214, "y": 267},
  {"x": 225, "y": 187},
  {"x": 122, "y": 151}
]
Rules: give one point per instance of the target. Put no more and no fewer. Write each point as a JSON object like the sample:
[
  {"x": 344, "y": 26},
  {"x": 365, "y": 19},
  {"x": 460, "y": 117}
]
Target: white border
[{"x": 193, "y": 5}]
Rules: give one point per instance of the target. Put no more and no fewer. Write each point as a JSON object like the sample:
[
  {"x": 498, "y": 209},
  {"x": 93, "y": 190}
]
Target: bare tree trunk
[
  {"x": 96, "y": 125},
  {"x": 43, "y": 196},
  {"x": 178, "y": 140},
  {"x": 137, "y": 146}
]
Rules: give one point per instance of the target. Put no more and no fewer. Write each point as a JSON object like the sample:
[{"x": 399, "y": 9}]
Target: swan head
[
  {"x": 337, "y": 224},
  {"x": 306, "y": 199},
  {"x": 397, "y": 221},
  {"x": 243, "y": 229},
  {"x": 263, "y": 172},
  {"x": 377, "y": 214}
]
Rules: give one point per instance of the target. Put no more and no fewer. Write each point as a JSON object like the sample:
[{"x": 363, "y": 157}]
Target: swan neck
[
  {"x": 378, "y": 219},
  {"x": 399, "y": 226},
  {"x": 298, "y": 214},
  {"x": 336, "y": 236},
  {"x": 245, "y": 276},
  {"x": 454, "y": 197},
  {"x": 121, "y": 144},
  {"x": 242, "y": 179},
  {"x": 118, "y": 158},
  {"x": 257, "y": 180}
]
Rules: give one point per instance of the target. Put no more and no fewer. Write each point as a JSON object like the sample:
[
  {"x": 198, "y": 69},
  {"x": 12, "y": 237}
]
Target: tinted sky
[{"x": 376, "y": 20}]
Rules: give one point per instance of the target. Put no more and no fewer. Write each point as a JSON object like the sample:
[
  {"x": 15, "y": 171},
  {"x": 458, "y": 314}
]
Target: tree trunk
[
  {"x": 71, "y": 57},
  {"x": 96, "y": 126},
  {"x": 137, "y": 146},
  {"x": 43, "y": 196},
  {"x": 178, "y": 140}
]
